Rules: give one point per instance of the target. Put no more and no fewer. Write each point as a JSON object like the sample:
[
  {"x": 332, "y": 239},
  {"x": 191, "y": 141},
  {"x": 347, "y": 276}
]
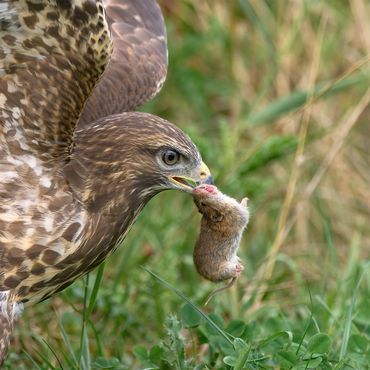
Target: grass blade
[
  {"x": 95, "y": 290},
  {"x": 297, "y": 99},
  {"x": 53, "y": 352},
  {"x": 43, "y": 355},
  {"x": 68, "y": 344},
  {"x": 347, "y": 326},
  {"x": 186, "y": 299},
  {"x": 84, "y": 343},
  {"x": 36, "y": 366}
]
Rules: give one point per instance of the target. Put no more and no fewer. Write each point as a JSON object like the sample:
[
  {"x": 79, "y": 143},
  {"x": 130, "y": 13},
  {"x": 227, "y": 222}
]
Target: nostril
[{"x": 203, "y": 175}]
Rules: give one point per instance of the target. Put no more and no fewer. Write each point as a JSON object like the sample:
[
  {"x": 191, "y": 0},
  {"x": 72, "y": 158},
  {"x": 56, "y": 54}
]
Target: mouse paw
[{"x": 239, "y": 268}]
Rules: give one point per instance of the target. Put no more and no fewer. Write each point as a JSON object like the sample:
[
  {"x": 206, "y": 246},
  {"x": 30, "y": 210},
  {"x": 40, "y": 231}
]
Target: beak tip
[{"x": 209, "y": 181}]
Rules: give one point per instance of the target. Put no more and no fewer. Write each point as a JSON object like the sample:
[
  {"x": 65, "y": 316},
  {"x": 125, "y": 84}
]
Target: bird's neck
[
  {"x": 107, "y": 188},
  {"x": 101, "y": 171},
  {"x": 100, "y": 189},
  {"x": 104, "y": 233}
]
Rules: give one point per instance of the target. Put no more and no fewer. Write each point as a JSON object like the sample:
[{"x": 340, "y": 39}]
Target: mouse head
[
  {"x": 207, "y": 198},
  {"x": 217, "y": 207}
]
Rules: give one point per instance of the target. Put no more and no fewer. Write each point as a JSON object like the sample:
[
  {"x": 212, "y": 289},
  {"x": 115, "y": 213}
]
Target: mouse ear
[{"x": 244, "y": 202}]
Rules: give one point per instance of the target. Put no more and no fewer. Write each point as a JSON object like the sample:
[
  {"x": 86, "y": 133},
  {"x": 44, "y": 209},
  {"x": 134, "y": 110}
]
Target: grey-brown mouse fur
[{"x": 223, "y": 222}]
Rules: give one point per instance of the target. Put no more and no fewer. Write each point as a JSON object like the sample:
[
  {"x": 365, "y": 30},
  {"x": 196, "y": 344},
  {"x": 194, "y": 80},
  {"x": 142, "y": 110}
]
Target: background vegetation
[{"x": 276, "y": 96}]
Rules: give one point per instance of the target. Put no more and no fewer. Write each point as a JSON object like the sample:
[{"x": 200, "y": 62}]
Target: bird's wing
[
  {"x": 138, "y": 67},
  {"x": 52, "y": 53}
]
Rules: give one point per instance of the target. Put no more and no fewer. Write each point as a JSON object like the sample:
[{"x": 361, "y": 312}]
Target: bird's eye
[{"x": 170, "y": 157}]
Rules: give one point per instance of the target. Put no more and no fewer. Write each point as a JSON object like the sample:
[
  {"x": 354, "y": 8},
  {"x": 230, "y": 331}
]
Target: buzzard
[{"x": 77, "y": 164}]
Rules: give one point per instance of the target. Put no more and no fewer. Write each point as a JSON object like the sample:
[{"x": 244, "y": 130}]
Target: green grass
[{"x": 275, "y": 95}]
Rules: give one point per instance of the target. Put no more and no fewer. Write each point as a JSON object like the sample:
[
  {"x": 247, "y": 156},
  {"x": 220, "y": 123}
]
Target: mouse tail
[{"x": 219, "y": 290}]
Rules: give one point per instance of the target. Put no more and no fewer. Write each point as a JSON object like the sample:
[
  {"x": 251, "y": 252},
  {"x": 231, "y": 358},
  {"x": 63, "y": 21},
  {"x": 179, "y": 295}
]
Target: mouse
[{"x": 223, "y": 221}]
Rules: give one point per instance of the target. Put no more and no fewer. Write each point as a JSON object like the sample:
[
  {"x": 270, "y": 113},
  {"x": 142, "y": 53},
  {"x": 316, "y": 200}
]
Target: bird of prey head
[{"x": 130, "y": 159}]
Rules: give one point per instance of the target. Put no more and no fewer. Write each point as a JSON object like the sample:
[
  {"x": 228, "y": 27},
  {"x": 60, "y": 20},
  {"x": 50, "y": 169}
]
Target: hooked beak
[{"x": 202, "y": 175}]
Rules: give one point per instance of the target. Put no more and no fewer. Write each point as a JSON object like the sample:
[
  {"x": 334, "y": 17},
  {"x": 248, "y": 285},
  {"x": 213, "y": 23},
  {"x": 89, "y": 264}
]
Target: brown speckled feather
[
  {"x": 70, "y": 190},
  {"x": 138, "y": 67},
  {"x": 52, "y": 54}
]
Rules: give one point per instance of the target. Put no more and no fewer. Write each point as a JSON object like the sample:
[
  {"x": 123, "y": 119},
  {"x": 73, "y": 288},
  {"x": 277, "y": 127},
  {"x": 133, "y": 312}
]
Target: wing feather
[
  {"x": 138, "y": 67},
  {"x": 52, "y": 53}
]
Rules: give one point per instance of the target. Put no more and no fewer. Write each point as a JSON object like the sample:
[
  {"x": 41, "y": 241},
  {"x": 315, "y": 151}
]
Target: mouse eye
[{"x": 170, "y": 157}]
